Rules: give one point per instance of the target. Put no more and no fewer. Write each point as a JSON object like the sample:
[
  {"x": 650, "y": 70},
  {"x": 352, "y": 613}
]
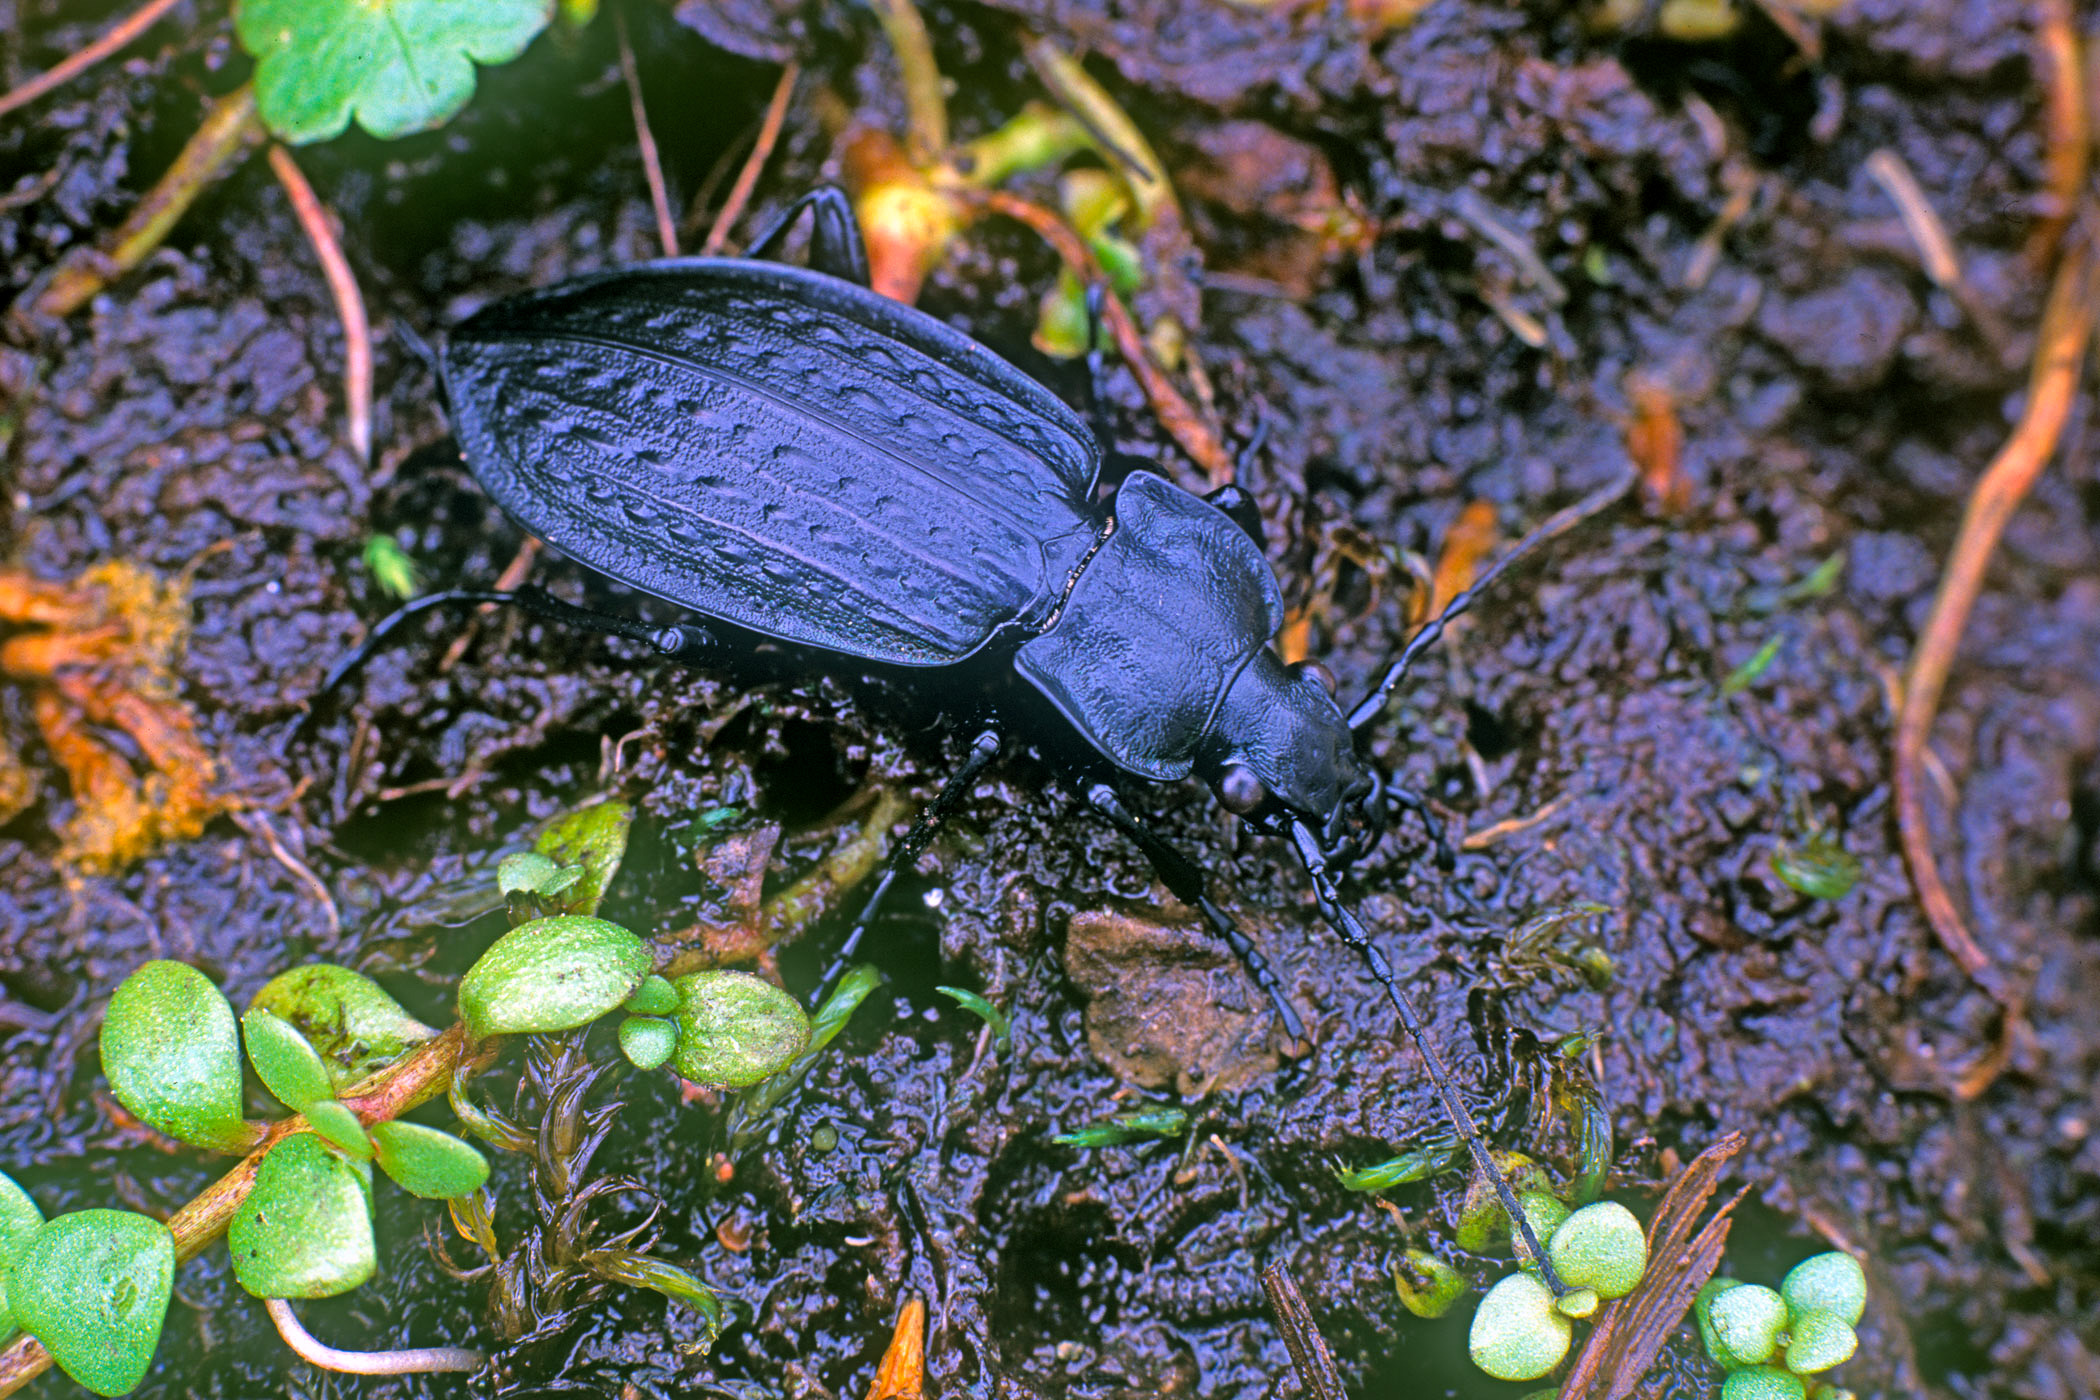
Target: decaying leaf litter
[{"x": 1829, "y": 392}]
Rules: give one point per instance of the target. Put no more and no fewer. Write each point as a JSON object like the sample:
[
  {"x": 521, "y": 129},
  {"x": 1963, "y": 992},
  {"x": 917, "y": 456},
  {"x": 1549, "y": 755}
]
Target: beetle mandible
[{"x": 784, "y": 451}]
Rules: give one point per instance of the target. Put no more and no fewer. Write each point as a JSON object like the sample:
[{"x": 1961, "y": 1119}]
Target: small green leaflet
[{"x": 398, "y": 66}]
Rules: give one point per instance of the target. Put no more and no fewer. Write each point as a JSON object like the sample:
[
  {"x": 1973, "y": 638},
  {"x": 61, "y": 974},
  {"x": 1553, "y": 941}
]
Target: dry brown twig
[
  {"x": 754, "y": 164},
  {"x": 349, "y": 301},
  {"x": 652, "y": 163},
  {"x": 1175, "y": 414}
]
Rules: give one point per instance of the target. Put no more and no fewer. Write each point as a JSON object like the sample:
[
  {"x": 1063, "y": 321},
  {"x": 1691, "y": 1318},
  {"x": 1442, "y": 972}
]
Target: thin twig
[
  {"x": 82, "y": 59},
  {"x": 652, "y": 165},
  {"x": 408, "y": 1361},
  {"x": 2058, "y": 360},
  {"x": 1935, "y": 249},
  {"x": 754, "y": 164},
  {"x": 229, "y": 131},
  {"x": 258, "y": 826},
  {"x": 509, "y": 581},
  {"x": 2070, "y": 140},
  {"x": 1180, "y": 420},
  {"x": 349, "y": 302}
]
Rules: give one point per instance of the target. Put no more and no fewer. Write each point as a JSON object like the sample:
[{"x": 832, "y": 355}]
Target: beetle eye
[
  {"x": 1240, "y": 790},
  {"x": 1319, "y": 673}
]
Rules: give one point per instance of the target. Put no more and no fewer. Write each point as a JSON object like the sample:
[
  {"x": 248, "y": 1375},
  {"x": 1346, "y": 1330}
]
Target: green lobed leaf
[
  {"x": 1762, "y": 1383},
  {"x": 93, "y": 1287},
  {"x": 173, "y": 1056},
  {"x": 398, "y": 66},
  {"x": 594, "y": 837},
  {"x": 339, "y": 1126},
  {"x": 305, "y": 1230},
  {"x": 427, "y": 1162},
  {"x": 648, "y": 1042},
  {"x": 1482, "y": 1222},
  {"x": 552, "y": 974},
  {"x": 286, "y": 1061},
  {"x": 735, "y": 1029},
  {"x": 525, "y": 872},
  {"x": 351, "y": 1020}
]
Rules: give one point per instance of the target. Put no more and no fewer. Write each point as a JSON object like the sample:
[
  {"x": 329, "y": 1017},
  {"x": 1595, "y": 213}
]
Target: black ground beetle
[{"x": 784, "y": 451}]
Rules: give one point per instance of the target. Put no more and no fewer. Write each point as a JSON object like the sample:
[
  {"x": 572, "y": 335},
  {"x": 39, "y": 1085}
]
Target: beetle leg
[
  {"x": 835, "y": 243},
  {"x": 983, "y": 749},
  {"x": 679, "y": 641},
  {"x": 1185, "y": 881}
]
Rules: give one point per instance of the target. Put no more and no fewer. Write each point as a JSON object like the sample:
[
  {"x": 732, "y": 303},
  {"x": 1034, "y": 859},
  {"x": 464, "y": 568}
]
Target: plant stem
[
  {"x": 407, "y": 1361},
  {"x": 230, "y": 131},
  {"x": 416, "y": 1079}
]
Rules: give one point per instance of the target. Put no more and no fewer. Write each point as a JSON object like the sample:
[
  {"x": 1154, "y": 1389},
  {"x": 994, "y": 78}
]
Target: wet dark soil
[{"x": 1832, "y": 401}]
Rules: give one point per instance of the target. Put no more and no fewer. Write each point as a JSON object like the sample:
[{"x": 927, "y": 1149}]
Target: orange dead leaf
[
  {"x": 1467, "y": 545},
  {"x": 902, "y": 1374},
  {"x": 1655, "y": 442}
]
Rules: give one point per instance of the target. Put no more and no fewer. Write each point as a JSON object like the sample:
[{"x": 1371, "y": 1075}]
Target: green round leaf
[
  {"x": 399, "y": 66},
  {"x": 647, "y": 1041},
  {"x": 287, "y": 1062},
  {"x": 1818, "y": 1341},
  {"x": 1427, "y": 1285},
  {"x": 93, "y": 1288},
  {"x": 19, "y": 1219},
  {"x": 305, "y": 1230},
  {"x": 551, "y": 975},
  {"x": 735, "y": 1029},
  {"x": 357, "y": 1027},
  {"x": 655, "y": 997},
  {"x": 1601, "y": 1247},
  {"x": 594, "y": 837},
  {"x": 339, "y": 1126},
  {"x": 1832, "y": 1283},
  {"x": 1517, "y": 1334},
  {"x": 428, "y": 1163},
  {"x": 173, "y": 1057},
  {"x": 1702, "y": 1310},
  {"x": 1746, "y": 1322},
  {"x": 1577, "y": 1302},
  {"x": 1762, "y": 1383}
]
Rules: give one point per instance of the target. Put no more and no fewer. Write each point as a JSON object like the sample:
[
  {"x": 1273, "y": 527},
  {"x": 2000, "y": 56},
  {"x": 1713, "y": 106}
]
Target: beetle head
[{"x": 1281, "y": 751}]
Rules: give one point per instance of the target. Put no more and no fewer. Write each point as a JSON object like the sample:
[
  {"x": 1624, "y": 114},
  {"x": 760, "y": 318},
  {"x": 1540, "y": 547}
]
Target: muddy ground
[{"x": 1832, "y": 400}]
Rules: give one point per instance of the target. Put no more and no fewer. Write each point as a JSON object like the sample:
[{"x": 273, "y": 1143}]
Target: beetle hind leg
[
  {"x": 1185, "y": 882},
  {"x": 983, "y": 749}
]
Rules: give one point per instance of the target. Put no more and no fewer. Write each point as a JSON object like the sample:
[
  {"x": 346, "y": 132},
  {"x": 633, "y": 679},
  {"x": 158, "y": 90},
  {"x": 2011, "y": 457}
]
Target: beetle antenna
[
  {"x": 1560, "y": 522},
  {"x": 1344, "y": 922}
]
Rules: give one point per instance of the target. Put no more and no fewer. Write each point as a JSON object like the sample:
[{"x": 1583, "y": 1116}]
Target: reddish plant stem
[
  {"x": 349, "y": 302},
  {"x": 82, "y": 59}
]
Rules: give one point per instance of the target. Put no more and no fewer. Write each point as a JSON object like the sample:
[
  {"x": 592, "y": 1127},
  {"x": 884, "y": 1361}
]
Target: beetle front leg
[
  {"x": 1185, "y": 882},
  {"x": 983, "y": 749}
]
